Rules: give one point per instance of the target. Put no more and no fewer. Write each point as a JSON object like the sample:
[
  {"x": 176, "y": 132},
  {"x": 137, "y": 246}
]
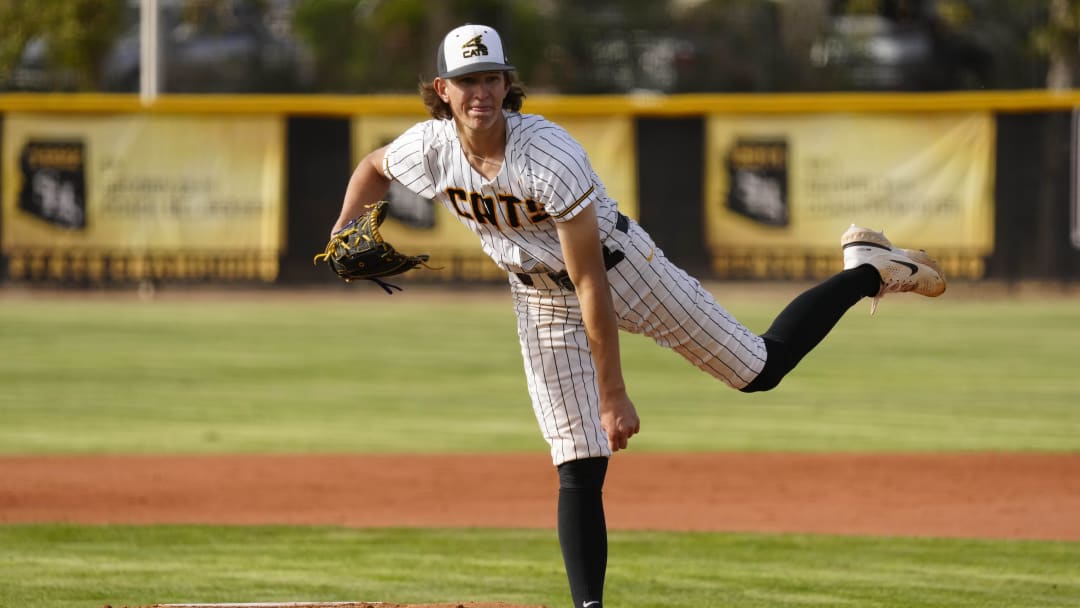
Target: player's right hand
[{"x": 619, "y": 419}]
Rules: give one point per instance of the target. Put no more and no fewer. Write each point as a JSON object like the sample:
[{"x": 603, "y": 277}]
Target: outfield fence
[{"x": 100, "y": 189}]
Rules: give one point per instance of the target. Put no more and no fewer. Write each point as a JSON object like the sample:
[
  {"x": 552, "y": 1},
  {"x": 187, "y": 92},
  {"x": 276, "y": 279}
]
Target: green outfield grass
[
  {"x": 418, "y": 372},
  {"x": 423, "y": 373},
  {"x": 54, "y": 566}
]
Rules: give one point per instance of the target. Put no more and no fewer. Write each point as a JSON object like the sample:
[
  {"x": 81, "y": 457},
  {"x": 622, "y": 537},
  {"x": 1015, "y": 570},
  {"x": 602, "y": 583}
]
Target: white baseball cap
[{"x": 469, "y": 49}]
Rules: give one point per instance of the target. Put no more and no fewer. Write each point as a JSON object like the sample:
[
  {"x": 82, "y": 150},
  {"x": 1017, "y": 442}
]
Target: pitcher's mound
[{"x": 346, "y": 605}]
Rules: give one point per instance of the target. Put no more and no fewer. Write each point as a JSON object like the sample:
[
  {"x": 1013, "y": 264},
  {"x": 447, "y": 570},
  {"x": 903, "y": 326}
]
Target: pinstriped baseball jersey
[
  {"x": 652, "y": 297},
  {"x": 546, "y": 177}
]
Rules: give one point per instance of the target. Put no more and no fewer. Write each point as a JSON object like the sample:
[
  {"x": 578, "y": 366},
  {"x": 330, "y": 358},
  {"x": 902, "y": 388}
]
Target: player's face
[{"x": 476, "y": 99}]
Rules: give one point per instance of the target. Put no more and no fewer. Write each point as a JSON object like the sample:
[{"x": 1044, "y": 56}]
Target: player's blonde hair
[{"x": 440, "y": 110}]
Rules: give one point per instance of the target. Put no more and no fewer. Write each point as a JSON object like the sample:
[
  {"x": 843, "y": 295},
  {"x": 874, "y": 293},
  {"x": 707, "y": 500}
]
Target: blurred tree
[
  {"x": 739, "y": 46},
  {"x": 78, "y": 33},
  {"x": 619, "y": 46},
  {"x": 372, "y": 46},
  {"x": 329, "y": 28},
  {"x": 611, "y": 46},
  {"x": 15, "y": 30},
  {"x": 1059, "y": 40},
  {"x": 974, "y": 44},
  {"x": 591, "y": 46}
]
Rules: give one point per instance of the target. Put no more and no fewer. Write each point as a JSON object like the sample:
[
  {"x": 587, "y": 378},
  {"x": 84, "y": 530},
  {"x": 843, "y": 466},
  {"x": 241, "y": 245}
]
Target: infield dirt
[{"x": 973, "y": 495}]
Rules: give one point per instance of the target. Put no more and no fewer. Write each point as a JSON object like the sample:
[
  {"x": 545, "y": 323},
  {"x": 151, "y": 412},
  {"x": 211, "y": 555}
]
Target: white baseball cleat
[{"x": 901, "y": 270}]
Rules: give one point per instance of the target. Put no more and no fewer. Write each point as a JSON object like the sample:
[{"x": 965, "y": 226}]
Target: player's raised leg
[
  {"x": 872, "y": 268},
  {"x": 901, "y": 270}
]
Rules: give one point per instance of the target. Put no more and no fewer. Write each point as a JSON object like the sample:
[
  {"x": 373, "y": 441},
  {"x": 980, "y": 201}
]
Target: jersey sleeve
[
  {"x": 406, "y": 160},
  {"x": 561, "y": 174}
]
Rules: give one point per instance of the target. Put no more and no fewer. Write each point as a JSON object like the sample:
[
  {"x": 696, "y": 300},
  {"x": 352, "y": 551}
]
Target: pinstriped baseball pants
[{"x": 652, "y": 297}]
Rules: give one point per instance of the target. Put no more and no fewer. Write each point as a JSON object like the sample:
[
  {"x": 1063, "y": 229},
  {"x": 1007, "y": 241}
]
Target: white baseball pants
[{"x": 653, "y": 297}]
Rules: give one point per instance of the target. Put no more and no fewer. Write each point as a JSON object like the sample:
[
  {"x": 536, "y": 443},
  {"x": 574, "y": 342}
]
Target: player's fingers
[
  {"x": 624, "y": 435},
  {"x": 620, "y": 433}
]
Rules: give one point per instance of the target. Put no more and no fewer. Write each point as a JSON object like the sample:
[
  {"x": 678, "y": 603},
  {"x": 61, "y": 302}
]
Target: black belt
[{"x": 611, "y": 258}]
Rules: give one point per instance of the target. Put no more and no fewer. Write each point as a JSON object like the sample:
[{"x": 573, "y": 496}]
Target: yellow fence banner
[
  {"x": 182, "y": 195},
  {"x": 797, "y": 182},
  {"x": 415, "y": 224}
]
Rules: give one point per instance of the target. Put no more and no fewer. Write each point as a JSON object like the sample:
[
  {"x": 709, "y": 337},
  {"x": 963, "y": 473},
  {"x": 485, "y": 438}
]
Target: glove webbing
[{"x": 338, "y": 240}]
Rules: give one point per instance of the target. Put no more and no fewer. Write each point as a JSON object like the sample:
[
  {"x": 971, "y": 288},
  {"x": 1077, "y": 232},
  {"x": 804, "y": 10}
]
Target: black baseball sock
[
  {"x": 808, "y": 319},
  {"x": 582, "y": 529}
]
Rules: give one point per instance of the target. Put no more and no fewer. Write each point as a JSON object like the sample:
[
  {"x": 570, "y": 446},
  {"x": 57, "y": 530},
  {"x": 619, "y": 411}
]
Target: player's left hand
[
  {"x": 619, "y": 419},
  {"x": 358, "y": 251}
]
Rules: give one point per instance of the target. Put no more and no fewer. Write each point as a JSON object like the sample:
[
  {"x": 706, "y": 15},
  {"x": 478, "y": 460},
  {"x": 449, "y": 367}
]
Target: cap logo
[
  {"x": 474, "y": 48},
  {"x": 469, "y": 49}
]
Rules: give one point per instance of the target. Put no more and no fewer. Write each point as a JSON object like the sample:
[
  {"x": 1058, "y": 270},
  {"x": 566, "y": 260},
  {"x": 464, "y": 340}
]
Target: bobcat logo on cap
[{"x": 474, "y": 48}]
